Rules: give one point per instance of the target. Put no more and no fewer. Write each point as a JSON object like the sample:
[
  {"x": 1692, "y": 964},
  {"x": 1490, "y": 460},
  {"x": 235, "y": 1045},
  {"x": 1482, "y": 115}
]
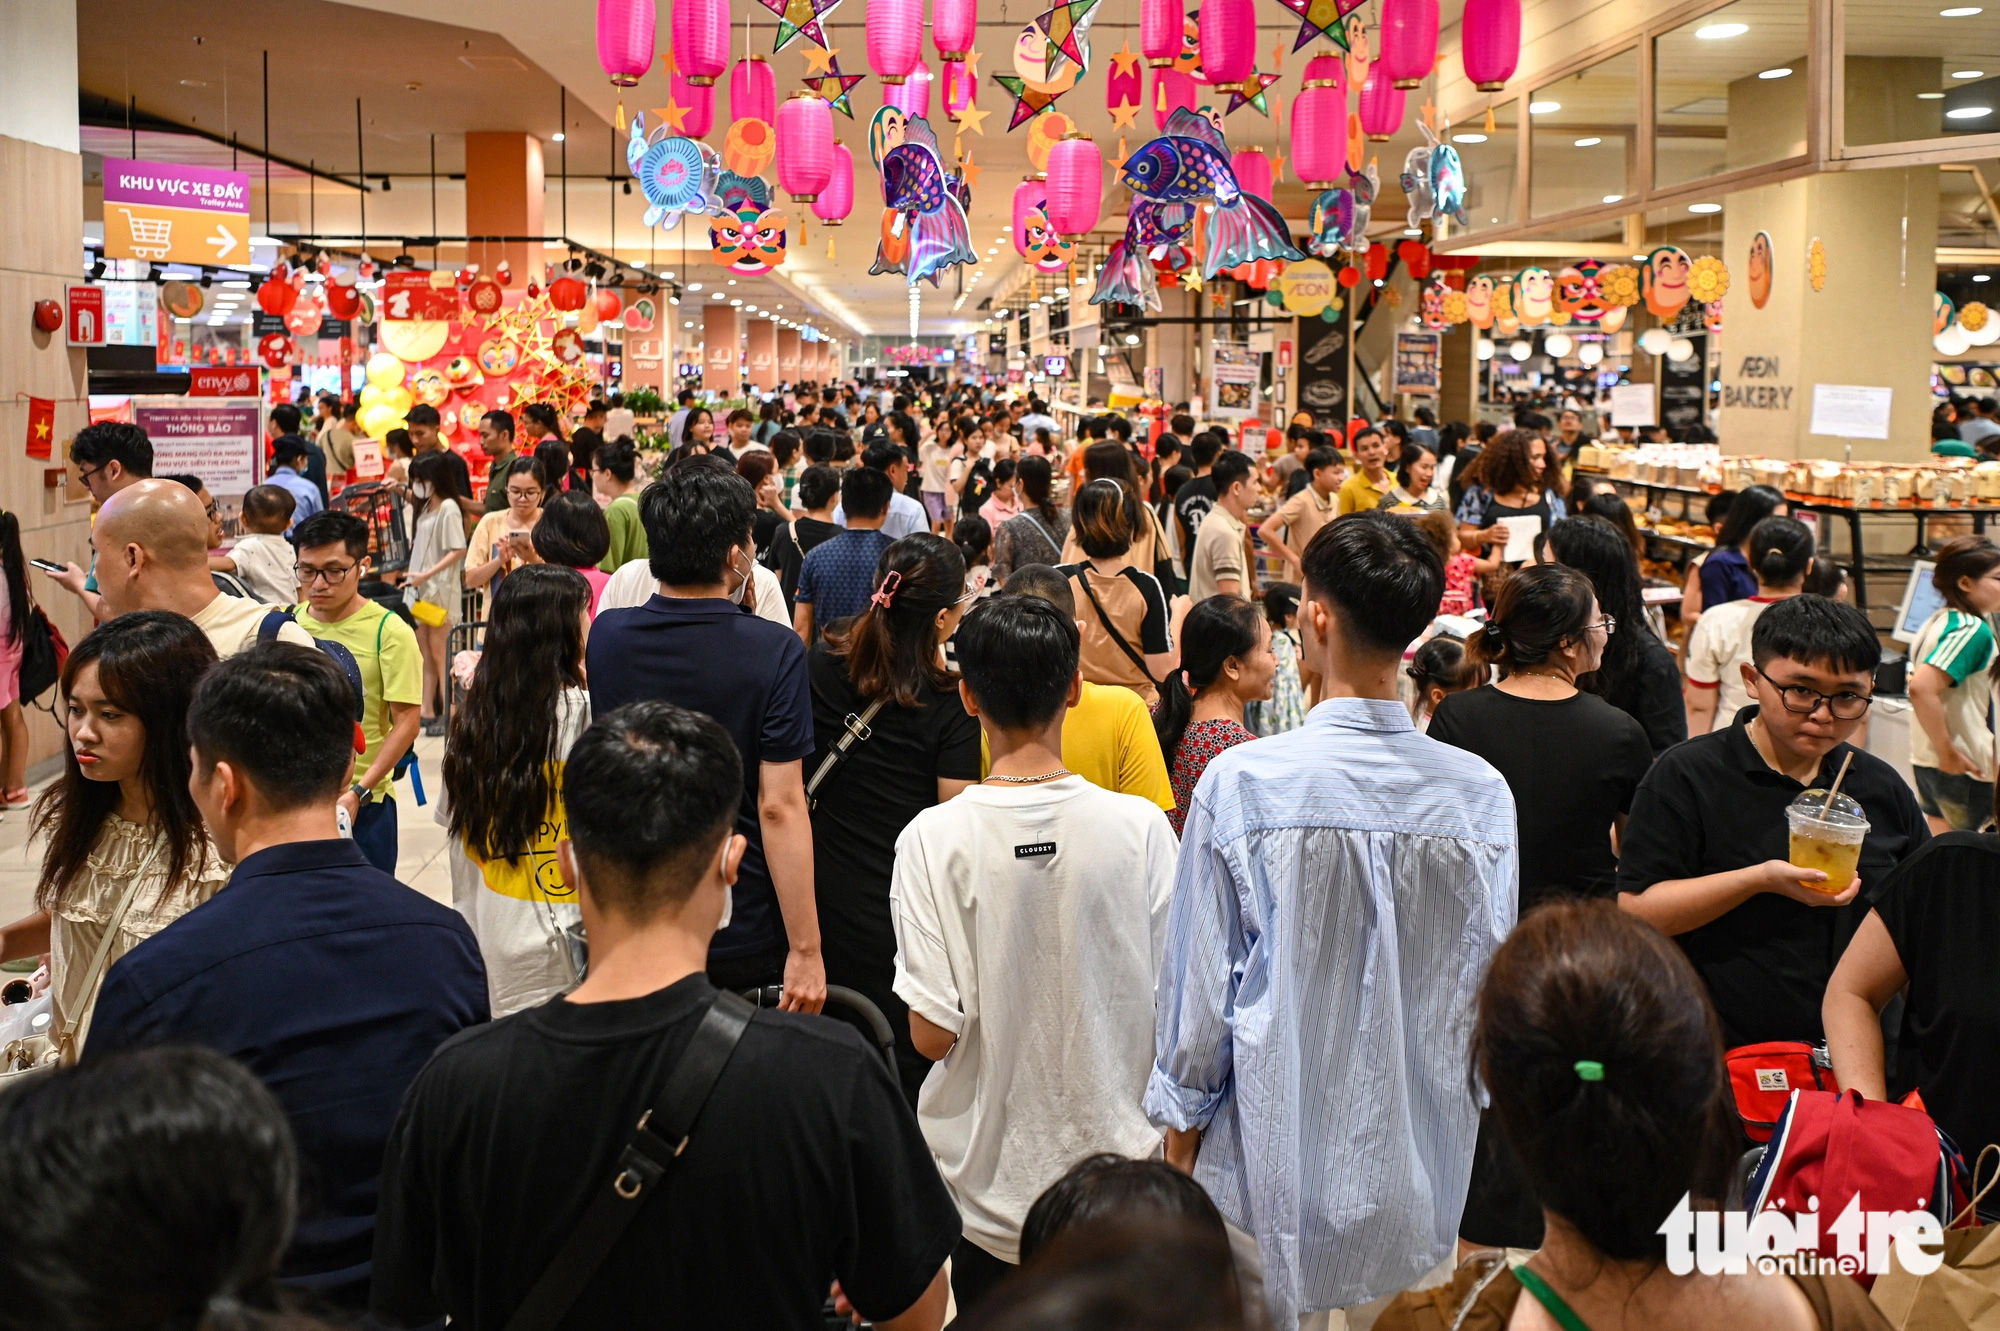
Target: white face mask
[
  {"x": 420, "y": 489},
  {"x": 736, "y": 597},
  {"x": 728, "y": 892}
]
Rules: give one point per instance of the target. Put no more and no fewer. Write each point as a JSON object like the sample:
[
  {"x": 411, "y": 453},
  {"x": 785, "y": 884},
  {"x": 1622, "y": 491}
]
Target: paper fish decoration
[
  {"x": 1416, "y": 182},
  {"x": 748, "y": 237},
  {"x": 677, "y": 175},
  {"x": 1156, "y": 236},
  {"x": 928, "y": 203},
  {"x": 1340, "y": 216},
  {"x": 1447, "y": 180},
  {"x": 1189, "y": 163}
]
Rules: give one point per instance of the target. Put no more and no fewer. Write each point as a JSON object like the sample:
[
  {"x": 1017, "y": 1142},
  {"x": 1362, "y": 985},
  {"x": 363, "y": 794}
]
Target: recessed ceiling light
[
  {"x": 1413, "y": 231},
  {"x": 1543, "y": 108},
  {"x": 1968, "y": 113},
  {"x": 1982, "y": 277},
  {"x": 557, "y": 137},
  {"x": 1968, "y": 74},
  {"x": 194, "y": 83},
  {"x": 1961, "y": 11},
  {"x": 1930, "y": 96},
  {"x": 1704, "y": 207},
  {"x": 732, "y": 281},
  {"x": 692, "y": 286},
  {"x": 1716, "y": 31},
  {"x": 687, "y": 323},
  {"x": 734, "y": 303},
  {"x": 1781, "y": 72},
  {"x": 1589, "y": 142},
  {"x": 1613, "y": 198},
  {"x": 1468, "y": 138}
]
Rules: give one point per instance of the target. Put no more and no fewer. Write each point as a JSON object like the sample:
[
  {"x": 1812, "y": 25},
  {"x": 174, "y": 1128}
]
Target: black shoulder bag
[
  {"x": 1083, "y": 577},
  {"x": 661, "y": 1136}
]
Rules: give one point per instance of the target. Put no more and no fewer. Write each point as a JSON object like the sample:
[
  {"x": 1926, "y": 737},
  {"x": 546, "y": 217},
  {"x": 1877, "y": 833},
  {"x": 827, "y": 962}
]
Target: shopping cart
[
  {"x": 152, "y": 237},
  {"x": 467, "y": 637}
]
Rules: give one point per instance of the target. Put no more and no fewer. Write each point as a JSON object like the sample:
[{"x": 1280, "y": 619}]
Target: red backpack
[
  {"x": 1838, "y": 1146},
  {"x": 1762, "y": 1078}
]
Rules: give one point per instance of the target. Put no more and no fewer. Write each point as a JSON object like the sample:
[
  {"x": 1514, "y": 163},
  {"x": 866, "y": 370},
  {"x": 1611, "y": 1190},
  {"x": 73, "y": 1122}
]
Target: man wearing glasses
[
  {"x": 108, "y": 456},
  {"x": 332, "y": 561},
  {"x": 1704, "y": 849}
]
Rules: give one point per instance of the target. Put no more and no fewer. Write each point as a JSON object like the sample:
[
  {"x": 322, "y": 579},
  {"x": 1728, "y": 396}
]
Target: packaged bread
[{"x": 1986, "y": 480}]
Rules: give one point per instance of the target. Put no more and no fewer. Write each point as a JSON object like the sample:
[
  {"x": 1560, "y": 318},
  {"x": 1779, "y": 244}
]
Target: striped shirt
[{"x": 1341, "y": 888}]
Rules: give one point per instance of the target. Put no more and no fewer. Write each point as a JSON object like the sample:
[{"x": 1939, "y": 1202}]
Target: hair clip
[
  {"x": 1589, "y": 1070},
  {"x": 887, "y": 595}
]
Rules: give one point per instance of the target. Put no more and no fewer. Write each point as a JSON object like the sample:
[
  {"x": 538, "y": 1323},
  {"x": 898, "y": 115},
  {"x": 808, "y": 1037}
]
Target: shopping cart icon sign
[{"x": 152, "y": 237}]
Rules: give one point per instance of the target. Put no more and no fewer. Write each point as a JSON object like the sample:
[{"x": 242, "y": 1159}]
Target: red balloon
[
  {"x": 1349, "y": 275},
  {"x": 568, "y": 292},
  {"x": 276, "y": 349},
  {"x": 277, "y": 295},
  {"x": 609, "y": 303},
  {"x": 342, "y": 302}
]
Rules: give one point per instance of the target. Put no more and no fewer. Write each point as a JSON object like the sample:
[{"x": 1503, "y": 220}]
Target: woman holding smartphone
[{"x": 500, "y": 543}]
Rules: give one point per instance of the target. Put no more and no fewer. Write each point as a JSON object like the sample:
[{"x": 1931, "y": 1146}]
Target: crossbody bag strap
[
  {"x": 657, "y": 1142},
  {"x": 1552, "y": 1302},
  {"x": 1083, "y": 576},
  {"x": 853, "y": 733},
  {"x": 101, "y": 958}
]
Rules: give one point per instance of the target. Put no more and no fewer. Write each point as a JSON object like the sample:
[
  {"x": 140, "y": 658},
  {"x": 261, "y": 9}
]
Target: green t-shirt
[
  {"x": 392, "y": 670},
  {"x": 628, "y": 535},
  {"x": 1953, "y": 448}
]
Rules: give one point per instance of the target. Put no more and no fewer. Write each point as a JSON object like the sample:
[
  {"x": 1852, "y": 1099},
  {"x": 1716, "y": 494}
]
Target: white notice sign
[
  {"x": 1850, "y": 412},
  {"x": 1632, "y": 404}
]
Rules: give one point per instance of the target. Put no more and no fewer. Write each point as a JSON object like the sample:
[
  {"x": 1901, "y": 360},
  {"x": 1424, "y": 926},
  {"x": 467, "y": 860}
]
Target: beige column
[
  {"x": 762, "y": 353},
  {"x": 719, "y": 365},
  {"x": 788, "y": 355},
  {"x": 503, "y": 197}
]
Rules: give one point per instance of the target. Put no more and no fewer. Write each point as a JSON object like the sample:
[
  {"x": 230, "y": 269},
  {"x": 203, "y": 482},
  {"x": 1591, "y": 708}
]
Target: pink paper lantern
[
  {"x": 1228, "y": 40},
  {"x": 625, "y": 32},
  {"x": 700, "y": 104},
  {"x": 1252, "y": 170},
  {"x": 1408, "y": 41},
  {"x": 1076, "y": 185},
  {"x": 1171, "y": 91},
  {"x": 954, "y": 27},
  {"x": 913, "y": 95},
  {"x": 1162, "y": 29},
  {"x": 895, "y": 38},
  {"x": 1492, "y": 42},
  {"x": 1327, "y": 67},
  {"x": 753, "y": 90},
  {"x": 1028, "y": 195},
  {"x": 1381, "y": 106},
  {"x": 836, "y": 201},
  {"x": 805, "y": 145},
  {"x": 960, "y": 91},
  {"x": 1319, "y": 134},
  {"x": 701, "y": 40}
]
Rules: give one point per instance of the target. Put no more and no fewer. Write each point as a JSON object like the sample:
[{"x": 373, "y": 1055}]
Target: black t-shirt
[
  {"x": 1942, "y": 909},
  {"x": 1573, "y": 766},
  {"x": 804, "y": 1165},
  {"x": 1191, "y": 504},
  {"x": 583, "y": 446},
  {"x": 1713, "y": 804},
  {"x": 786, "y": 555},
  {"x": 764, "y": 529},
  {"x": 1652, "y": 696},
  {"x": 860, "y": 810}
]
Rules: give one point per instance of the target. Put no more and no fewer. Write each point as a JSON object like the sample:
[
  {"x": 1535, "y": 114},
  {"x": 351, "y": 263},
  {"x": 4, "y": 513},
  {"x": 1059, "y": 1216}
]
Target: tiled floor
[{"x": 421, "y": 863}]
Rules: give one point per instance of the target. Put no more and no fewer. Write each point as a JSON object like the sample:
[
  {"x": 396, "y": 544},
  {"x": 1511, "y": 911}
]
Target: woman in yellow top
[
  {"x": 501, "y": 542},
  {"x": 503, "y": 785},
  {"x": 127, "y": 853}
]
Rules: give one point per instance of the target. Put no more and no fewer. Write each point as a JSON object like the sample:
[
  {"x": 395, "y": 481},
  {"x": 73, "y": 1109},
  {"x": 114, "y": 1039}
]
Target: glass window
[
  {"x": 1490, "y": 157},
  {"x": 1729, "y": 91},
  {"x": 1585, "y": 146},
  {"x": 1920, "y": 69}
]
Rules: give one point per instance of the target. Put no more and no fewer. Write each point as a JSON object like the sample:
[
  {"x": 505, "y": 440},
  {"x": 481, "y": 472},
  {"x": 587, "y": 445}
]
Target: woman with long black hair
[
  {"x": 1036, "y": 533},
  {"x": 884, "y": 668},
  {"x": 1226, "y": 661},
  {"x": 503, "y": 784},
  {"x": 1637, "y": 673},
  {"x": 126, "y": 851},
  {"x": 14, "y": 612}
]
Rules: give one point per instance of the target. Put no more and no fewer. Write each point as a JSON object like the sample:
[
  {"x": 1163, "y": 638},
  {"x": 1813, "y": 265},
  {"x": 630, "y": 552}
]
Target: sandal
[{"x": 16, "y": 799}]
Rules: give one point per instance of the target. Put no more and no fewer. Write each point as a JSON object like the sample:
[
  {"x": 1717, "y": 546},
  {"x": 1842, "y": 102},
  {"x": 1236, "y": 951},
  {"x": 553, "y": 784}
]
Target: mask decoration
[
  {"x": 1432, "y": 305},
  {"x": 1479, "y": 301},
  {"x": 927, "y": 202},
  {"x": 429, "y": 388},
  {"x": 1711, "y": 316},
  {"x": 1665, "y": 281},
  {"x": 1047, "y": 251},
  {"x": 677, "y": 175},
  {"x": 462, "y": 374},
  {"x": 1577, "y": 292},
  {"x": 500, "y": 356},
  {"x": 749, "y": 237},
  {"x": 1761, "y": 268},
  {"x": 1534, "y": 296}
]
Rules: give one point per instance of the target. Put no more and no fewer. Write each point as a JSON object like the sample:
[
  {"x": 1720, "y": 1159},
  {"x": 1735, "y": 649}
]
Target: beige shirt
[
  {"x": 1302, "y": 515},
  {"x": 231, "y": 623},
  {"x": 266, "y": 564},
  {"x": 1218, "y": 554}
]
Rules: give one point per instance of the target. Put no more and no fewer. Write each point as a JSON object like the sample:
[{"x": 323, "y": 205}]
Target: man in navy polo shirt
[
  {"x": 320, "y": 973},
  {"x": 695, "y": 646}
]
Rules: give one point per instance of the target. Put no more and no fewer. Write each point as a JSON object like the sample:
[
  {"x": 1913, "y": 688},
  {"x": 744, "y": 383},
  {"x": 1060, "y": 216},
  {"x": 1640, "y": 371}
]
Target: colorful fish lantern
[
  {"x": 1156, "y": 241},
  {"x": 924, "y": 225},
  {"x": 677, "y": 175},
  {"x": 1416, "y": 182},
  {"x": 1665, "y": 280},
  {"x": 1447, "y": 181},
  {"x": 748, "y": 237},
  {"x": 1331, "y": 220},
  {"x": 1189, "y": 163}
]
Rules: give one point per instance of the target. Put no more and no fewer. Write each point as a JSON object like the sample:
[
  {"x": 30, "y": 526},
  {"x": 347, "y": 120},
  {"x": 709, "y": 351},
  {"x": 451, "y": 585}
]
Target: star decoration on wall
[
  {"x": 1309, "y": 13},
  {"x": 825, "y": 60},
  {"x": 1028, "y": 103},
  {"x": 842, "y": 84},
  {"x": 1127, "y": 59},
  {"x": 798, "y": 18},
  {"x": 1125, "y": 116},
  {"x": 1261, "y": 101}
]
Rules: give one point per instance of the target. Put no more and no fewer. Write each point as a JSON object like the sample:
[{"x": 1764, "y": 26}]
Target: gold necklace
[{"x": 1031, "y": 780}]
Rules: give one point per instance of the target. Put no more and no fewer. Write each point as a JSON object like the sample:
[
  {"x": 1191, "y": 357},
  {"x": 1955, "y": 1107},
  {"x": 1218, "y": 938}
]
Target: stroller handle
[{"x": 771, "y": 995}]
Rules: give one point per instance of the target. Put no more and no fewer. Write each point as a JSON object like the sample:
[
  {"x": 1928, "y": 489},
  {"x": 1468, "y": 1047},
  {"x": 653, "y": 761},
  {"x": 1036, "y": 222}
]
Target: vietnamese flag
[{"x": 41, "y": 427}]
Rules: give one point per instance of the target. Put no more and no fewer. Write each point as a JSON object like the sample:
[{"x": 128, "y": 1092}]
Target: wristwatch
[{"x": 360, "y": 792}]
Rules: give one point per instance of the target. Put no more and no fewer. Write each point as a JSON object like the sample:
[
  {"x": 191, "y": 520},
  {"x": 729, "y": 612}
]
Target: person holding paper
[{"x": 1511, "y": 495}]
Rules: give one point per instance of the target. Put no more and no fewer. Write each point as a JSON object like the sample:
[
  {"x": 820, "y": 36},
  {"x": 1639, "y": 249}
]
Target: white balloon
[
  {"x": 1953, "y": 341},
  {"x": 1655, "y": 341},
  {"x": 1484, "y": 348},
  {"x": 1557, "y": 344},
  {"x": 1590, "y": 353},
  {"x": 1680, "y": 349},
  {"x": 1520, "y": 350}
]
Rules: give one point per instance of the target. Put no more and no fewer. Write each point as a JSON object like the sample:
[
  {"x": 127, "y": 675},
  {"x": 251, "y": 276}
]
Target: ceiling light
[
  {"x": 1413, "y": 231},
  {"x": 734, "y": 303},
  {"x": 1131, "y": 339},
  {"x": 1590, "y": 142},
  {"x": 1468, "y": 138},
  {"x": 1716, "y": 31},
  {"x": 692, "y": 286},
  {"x": 732, "y": 281},
  {"x": 1930, "y": 96},
  {"x": 1781, "y": 72},
  {"x": 557, "y": 137},
  {"x": 687, "y": 323},
  {"x": 1968, "y": 112},
  {"x": 1961, "y": 11},
  {"x": 1613, "y": 198},
  {"x": 1969, "y": 74},
  {"x": 1543, "y": 108},
  {"x": 1981, "y": 277},
  {"x": 1704, "y": 207}
]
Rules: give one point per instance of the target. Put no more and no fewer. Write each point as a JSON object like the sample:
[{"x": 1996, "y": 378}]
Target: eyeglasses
[
  {"x": 1804, "y": 701},
  {"x": 83, "y": 473},
  {"x": 330, "y": 575},
  {"x": 1609, "y": 624},
  {"x": 534, "y": 492}
]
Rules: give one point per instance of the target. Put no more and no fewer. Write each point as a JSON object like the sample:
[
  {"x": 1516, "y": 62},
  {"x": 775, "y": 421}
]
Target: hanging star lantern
[
  {"x": 1028, "y": 103},
  {"x": 1260, "y": 101},
  {"x": 1124, "y": 155},
  {"x": 798, "y": 18},
  {"x": 1126, "y": 61},
  {"x": 1125, "y": 116},
  {"x": 1318, "y": 18},
  {"x": 842, "y": 84},
  {"x": 1066, "y": 24},
  {"x": 968, "y": 169},
  {"x": 674, "y": 114},
  {"x": 974, "y": 119},
  {"x": 825, "y": 60},
  {"x": 1191, "y": 279}
]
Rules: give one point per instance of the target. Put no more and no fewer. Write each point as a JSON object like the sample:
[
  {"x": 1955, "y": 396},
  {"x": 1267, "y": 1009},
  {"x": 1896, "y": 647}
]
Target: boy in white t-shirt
[
  {"x": 1030, "y": 915},
  {"x": 1719, "y": 668},
  {"x": 262, "y": 557}
]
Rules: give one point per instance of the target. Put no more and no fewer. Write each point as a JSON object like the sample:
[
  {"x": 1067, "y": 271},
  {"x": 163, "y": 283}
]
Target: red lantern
[
  {"x": 1076, "y": 185},
  {"x": 805, "y": 144},
  {"x": 276, "y": 295},
  {"x": 276, "y": 349},
  {"x": 753, "y": 90},
  {"x": 1162, "y": 29},
  {"x": 1381, "y": 106},
  {"x": 699, "y": 101},
  {"x": 1252, "y": 170},
  {"x": 48, "y": 315},
  {"x": 895, "y": 38},
  {"x": 568, "y": 292},
  {"x": 1228, "y": 40},
  {"x": 342, "y": 300},
  {"x": 609, "y": 304},
  {"x": 1319, "y": 134},
  {"x": 1349, "y": 275},
  {"x": 1491, "y": 45},
  {"x": 954, "y": 27},
  {"x": 701, "y": 40},
  {"x": 836, "y": 201},
  {"x": 1408, "y": 40},
  {"x": 484, "y": 296},
  {"x": 1378, "y": 261},
  {"x": 625, "y": 39}
]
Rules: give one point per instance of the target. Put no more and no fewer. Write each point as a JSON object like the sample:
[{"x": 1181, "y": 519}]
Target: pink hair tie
[{"x": 887, "y": 595}]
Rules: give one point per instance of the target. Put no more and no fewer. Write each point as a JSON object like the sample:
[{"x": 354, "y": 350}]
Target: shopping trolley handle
[{"x": 771, "y": 995}]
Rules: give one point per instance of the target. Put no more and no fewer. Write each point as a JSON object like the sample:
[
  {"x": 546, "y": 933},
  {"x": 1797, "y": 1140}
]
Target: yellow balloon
[
  {"x": 378, "y": 420},
  {"x": 399, "y": 400},
  {"x": 370, "y": 395},
  {"x": 384, "y": 370}
]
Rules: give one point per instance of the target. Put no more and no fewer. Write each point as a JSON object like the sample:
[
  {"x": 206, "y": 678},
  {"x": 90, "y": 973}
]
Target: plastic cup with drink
[{"x": 1827, "y": 831}]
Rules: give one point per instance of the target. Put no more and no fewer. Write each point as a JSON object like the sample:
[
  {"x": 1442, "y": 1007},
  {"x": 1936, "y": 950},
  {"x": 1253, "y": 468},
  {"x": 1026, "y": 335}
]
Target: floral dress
[
  {"x": 1203, "y": 740},
  {"x": 1286, "y": 708}
]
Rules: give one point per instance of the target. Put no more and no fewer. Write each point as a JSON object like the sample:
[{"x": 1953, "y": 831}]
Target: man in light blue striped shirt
[{"x": 1340, "y": 891}]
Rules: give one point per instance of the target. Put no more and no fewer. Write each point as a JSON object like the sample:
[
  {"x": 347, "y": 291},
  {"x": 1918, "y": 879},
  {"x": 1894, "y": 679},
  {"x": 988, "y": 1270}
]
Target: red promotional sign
[
  {"x": 223, "y": 381},
  {"x": 86, "y": 315},
  {"x": 407, "y": 293}
]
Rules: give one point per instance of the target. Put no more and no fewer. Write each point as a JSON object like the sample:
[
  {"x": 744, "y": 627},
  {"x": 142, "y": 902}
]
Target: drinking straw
[{"x": 1838, "y": 778}]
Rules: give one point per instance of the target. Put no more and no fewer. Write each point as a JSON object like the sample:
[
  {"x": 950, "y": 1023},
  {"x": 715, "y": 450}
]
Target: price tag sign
[{"x": 407, "y": 294}]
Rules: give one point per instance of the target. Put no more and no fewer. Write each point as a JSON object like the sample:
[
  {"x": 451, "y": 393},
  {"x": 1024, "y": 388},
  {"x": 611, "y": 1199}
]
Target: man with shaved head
[{"x": 151, "y": 540}]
